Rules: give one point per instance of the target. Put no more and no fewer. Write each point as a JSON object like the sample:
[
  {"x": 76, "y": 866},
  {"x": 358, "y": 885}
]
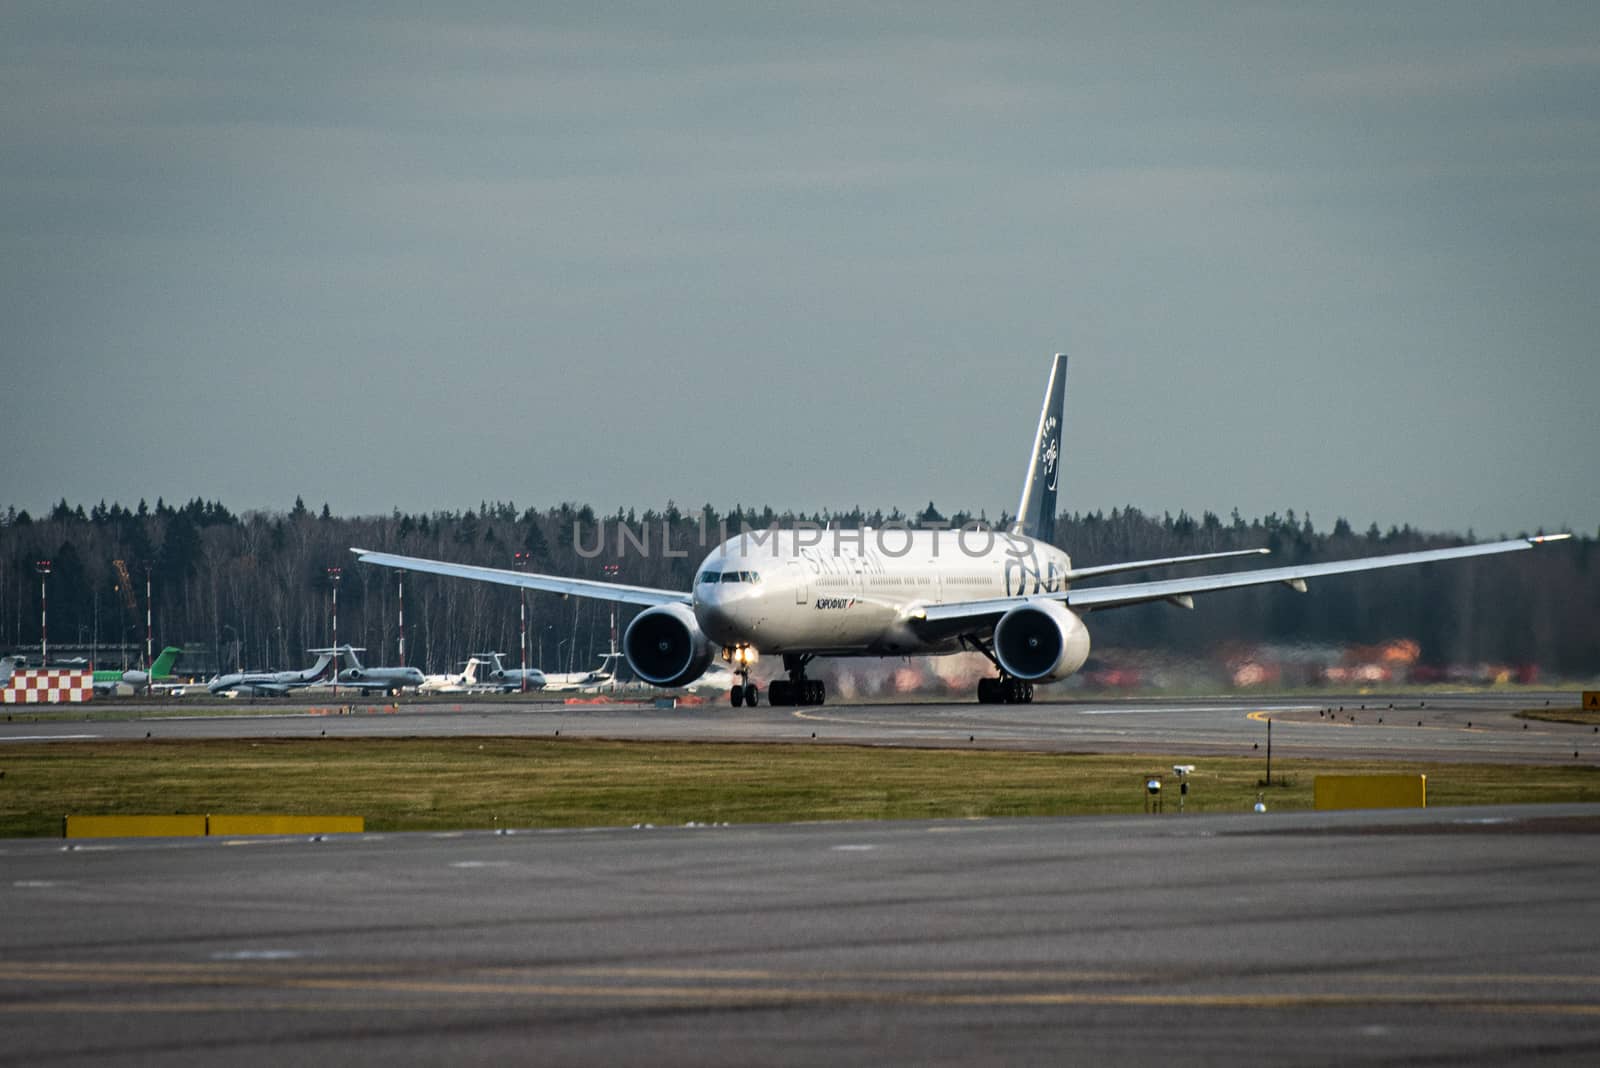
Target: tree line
[{"x": 253, "y": 590}]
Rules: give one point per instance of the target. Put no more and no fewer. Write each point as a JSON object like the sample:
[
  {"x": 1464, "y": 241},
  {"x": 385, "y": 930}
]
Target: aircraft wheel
[
  {"x": 986, "y": 694},
  {"x": 822, "y": 692},
  {"x": 752, "y": 696},
  {"x": 736, "y": 695},
  {"x": 778, "y": 693}
]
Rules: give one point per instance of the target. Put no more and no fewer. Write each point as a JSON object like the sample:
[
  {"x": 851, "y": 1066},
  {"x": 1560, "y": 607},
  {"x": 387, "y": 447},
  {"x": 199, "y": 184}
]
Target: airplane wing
[
  {"x": 943, "y": 617},
  {"x": 1165, "y": 561},
  {"x": 602, "y": 591}
]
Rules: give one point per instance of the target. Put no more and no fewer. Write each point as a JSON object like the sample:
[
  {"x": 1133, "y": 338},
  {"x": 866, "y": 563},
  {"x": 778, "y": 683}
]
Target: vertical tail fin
[
  {"x": 1036, "y": 511},
  {"x": 163, "y": 665}
]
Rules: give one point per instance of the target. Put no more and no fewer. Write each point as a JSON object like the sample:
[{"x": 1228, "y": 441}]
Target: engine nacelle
[
  {"x": 354, "y": 674},
  {"x": 1041, "y": 641},
  {"x": 665, "y": 646}
]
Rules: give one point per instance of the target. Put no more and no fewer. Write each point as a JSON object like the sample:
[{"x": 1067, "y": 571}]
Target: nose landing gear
[{"x": 743, "y": 692}]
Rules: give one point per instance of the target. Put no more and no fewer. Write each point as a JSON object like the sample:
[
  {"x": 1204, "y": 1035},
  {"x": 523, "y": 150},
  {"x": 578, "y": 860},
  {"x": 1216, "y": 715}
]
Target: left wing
[
  {"x": 1181, "y": 591},
  {"x": 603, "y": 591}
]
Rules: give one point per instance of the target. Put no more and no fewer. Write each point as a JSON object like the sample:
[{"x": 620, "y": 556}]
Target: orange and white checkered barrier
[{"x": 48, "y": 686}]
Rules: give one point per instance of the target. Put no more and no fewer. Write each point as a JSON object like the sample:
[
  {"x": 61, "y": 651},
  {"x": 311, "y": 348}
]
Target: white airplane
[
  {"x": 462, "y": 681},
  {"x": 269, "y": 683},
  {"x": 803, "y": 593},
  {"x": 8, "y": 665},
  {"x": 367, "y": 679},
  {"x": 570, "y": 681},
  {"x": 512, "y": 679}
]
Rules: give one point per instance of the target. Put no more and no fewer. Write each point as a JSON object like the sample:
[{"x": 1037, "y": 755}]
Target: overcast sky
[{"x": 1340, "y": 258}]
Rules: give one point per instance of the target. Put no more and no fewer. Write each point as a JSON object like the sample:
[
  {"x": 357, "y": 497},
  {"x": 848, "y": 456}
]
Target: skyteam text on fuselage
[{"x": 1011, "y": 595}]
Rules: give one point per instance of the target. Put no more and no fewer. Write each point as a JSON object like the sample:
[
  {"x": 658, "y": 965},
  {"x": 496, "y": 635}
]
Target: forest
[{"x": 253, "y": 590}]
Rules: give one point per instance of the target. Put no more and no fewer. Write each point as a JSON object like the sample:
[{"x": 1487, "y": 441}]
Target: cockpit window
[{"x": 730, "y": 576}]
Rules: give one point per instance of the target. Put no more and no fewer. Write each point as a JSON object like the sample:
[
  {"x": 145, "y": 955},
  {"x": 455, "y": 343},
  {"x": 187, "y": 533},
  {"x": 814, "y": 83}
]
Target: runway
[
  {"x": 1479, "y": 727},
  {"x": 1455, "y": 936}
]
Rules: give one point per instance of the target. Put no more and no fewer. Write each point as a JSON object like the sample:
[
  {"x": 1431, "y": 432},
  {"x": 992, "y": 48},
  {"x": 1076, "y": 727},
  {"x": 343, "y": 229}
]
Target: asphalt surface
[
  {"x": 1432, "y": 727},
  {"x": 1439, "y": 936}
]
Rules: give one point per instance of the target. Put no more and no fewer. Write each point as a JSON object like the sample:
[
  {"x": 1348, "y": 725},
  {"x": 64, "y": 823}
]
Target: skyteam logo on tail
[{"x": 1051, "y": 450}]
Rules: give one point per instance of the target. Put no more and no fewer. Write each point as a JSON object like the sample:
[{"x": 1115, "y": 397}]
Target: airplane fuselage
[
  {"x": 369, "y": 679},
  {"x": 856, "y": 593}
]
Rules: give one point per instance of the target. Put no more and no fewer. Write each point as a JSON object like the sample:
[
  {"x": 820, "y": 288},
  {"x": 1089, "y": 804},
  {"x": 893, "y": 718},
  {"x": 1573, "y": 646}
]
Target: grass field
[{"x": 458, "y": 783}]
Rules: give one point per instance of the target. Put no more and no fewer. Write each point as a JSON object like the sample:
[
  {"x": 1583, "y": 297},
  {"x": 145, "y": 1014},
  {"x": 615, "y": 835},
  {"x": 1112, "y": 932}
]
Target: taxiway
[
  {"x": 1477, "y": 727},
  {"x": 1451, "y": 936}
]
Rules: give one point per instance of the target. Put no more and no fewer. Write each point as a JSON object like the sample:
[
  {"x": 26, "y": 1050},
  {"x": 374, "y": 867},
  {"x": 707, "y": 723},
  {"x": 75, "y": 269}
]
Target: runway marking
[
  {"x": 1025, "y": 975},
  {"x": 735, "y": 986}
]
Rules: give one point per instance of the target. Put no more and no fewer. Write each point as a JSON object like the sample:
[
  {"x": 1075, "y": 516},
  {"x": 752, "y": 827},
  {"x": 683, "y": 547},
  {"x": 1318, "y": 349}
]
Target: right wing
[
  {"x": 954, "y": 616},
  {"x": 567, "y": 587}
]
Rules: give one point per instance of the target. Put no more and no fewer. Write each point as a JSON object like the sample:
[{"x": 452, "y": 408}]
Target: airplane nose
[{"x": 718, "y": 613}]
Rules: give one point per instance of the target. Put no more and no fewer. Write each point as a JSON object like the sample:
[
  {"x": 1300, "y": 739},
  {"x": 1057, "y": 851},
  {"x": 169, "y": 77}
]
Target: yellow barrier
[
  {"x": 135, "y": 826},
  {"x": 242, "y": 825},
  {"x": 199, "y": 826},
  {"x": 1371, "y": 791}
]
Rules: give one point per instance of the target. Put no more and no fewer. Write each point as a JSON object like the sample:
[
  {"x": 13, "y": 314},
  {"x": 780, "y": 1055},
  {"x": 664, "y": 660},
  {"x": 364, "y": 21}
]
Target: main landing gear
[
  {"x": 797, "y": 689},
  {"x": 1005, "y": 690}
]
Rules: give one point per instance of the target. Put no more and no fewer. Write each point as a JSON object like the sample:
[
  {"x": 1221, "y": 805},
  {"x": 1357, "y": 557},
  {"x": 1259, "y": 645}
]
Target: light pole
[
  {"x": 149, "y": 631},
  {"x": 521, "y": 559},
  {"x": 612, "y": 571},
  {"x": 402, "y": 603},
  {"x": 334, "y": 574},
  {"x": 43, "y": 567}
]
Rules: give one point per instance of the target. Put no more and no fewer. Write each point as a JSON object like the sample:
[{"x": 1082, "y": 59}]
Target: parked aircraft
[
  {"x": 569, "y": 681},
  {"x": 269, "y": 683},
  {"x": 8, "y": 665},
  {"x": 1011, "y": 595},
  {"x": 106, "y": 682},
  {"x": 369, "y": 679},
  {"x": 462, "y": 681},
  {"x": 510, "y": 679}
]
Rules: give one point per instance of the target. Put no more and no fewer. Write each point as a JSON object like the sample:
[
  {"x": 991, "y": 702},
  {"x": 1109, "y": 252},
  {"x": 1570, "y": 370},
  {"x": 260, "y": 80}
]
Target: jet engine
[
  {"x": 665, "y": 646},
  {"x": 1041, "y": 640}
]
